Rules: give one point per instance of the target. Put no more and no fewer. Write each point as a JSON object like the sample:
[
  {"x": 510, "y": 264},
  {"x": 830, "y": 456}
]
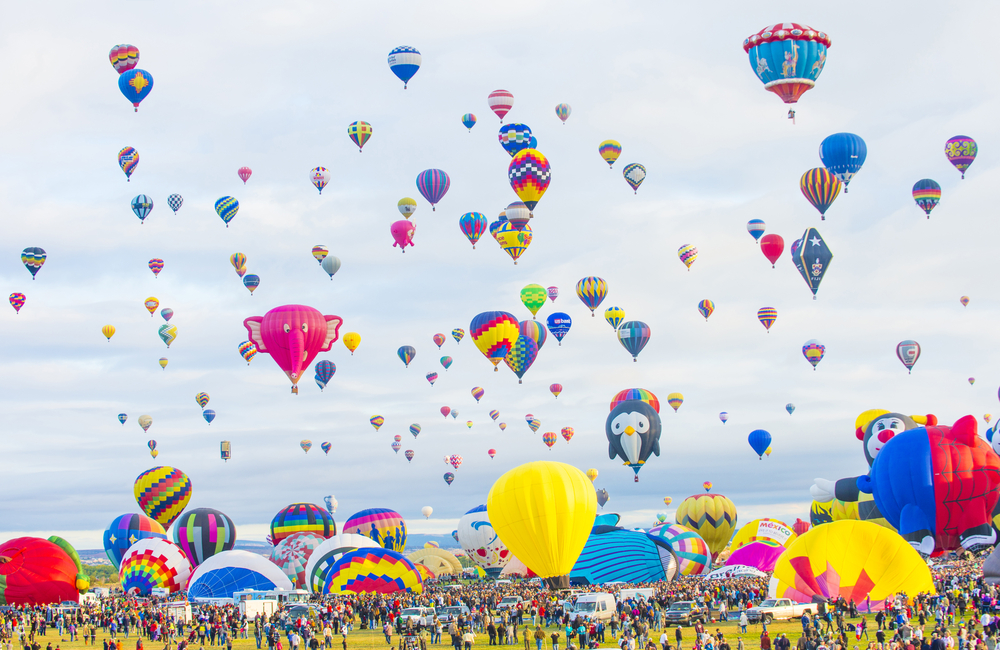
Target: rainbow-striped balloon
[
  {"x": 162, "y": 493},
  {"x": 302, "y": 518}
]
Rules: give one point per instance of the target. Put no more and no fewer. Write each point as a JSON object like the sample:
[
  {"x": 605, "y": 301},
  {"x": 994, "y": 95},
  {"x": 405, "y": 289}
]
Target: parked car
[
  {"x": 684, "y": 612},
  {"x": 779, "y": 608},
  {"x": 421, "y": 616},
  {"x": 452, "y": 612},
  {"x": 510, "y": 602}
]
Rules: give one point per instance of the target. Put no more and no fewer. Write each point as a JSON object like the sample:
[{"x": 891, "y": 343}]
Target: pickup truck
[
  {"x": 779, "y": 608},
  {"x": 510, "y": 602},
  {"x": 684, "y": 612},
  {"x": 421, "y": 616}
]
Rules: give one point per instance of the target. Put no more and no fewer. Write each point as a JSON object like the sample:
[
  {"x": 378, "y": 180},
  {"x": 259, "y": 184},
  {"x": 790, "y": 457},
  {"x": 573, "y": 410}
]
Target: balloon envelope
[
  {"x": 383, "y": 526},
  {"x": 224, "y": 574}
]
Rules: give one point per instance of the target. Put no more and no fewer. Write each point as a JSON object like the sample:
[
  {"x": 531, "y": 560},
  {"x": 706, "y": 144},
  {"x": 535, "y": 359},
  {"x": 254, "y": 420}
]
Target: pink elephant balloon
[
  {"x": 293, "y": 335},
  {"x": 402, "y": 232}
]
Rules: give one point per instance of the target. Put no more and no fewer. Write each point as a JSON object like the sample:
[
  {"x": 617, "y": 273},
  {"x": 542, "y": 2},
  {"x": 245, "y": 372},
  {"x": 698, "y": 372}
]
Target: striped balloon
[
  {"x": 767, "y": 316},
  {"x": 563, "y": 112},
  {"x": 433, "y": 184},
  {"x": 372, "y": 571},
  {"x": 359, "y": 132},
  {"x": 125, "y": 531},
  {"x": 478, "y": 393},
  {"x": 687, "y": 254},
  {"x": 128, "y": 160},
  {"x": 514, "y": 138},
  {"x": 154, "y": 563},
  {"x": 535, "y": 331},
  {"x": 469, "y": 121},
  {"x": 926, "y": 193},
  {"x": 634, "y": 335},
  {"x": 592, "y": 290},
  {"x": 692, "y": 552},
  {"x": 302, "y": 518},
  {"x": 156, "y": 265},
  {"x": 406, "y": 354},
  {"x": 226, "y": 208},
  {"x": 473, "y": 225},
  {"x": 820, "y": 188},
  {"x": 756, "y": 228},
  {"x": 614, "y": 316},
  {"x": 640, "y": 394},
  {"x": 610, "y": 150},
  {"x": 124, "y": 57},
  {"x": 501, "y": 101},
  {"x": 376, "y": 421},
  {"x": 203, "y": 532},
  {"x": 549, "y": 438},
  {"x": 712, "y": 516},
  {"x": 706, "y": 307},
  {"x": 142, "y": 205}
]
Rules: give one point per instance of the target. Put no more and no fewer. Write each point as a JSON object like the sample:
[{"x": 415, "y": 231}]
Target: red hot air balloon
[
  {"x": 35, "y": 571},
  {"x": 556, "y": 389},
  {"x": 244, "y": 173},
  {"x": 800, "y": 527},
  {"x": 445, "y": 410},
  {"x": 501, "y": 101},
  {"x": 293, "y": 335},
  {"x": 491, "y": 452},
  {"x": 772, "y": 246}
]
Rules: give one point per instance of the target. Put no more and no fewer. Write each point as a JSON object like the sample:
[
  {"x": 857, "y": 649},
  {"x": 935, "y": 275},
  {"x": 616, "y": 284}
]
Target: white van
[
  {"x": 594, "y": 607},
  {"x": 646, "y": 594}
]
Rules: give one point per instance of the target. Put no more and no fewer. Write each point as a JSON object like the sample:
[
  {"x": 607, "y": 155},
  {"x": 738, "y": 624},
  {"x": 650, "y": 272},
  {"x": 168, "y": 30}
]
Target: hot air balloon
[
  {"x": 820, "y": 188},
  {"x": 675, "y": 400},
  {"x": 449, "y": 477},
  {"x": 521, "y": 355},
  {"x": 154, "y": 563},
  {"x": 458, "y": 333},
  {"x": 293, "y": 335},
  {"x": 772, "y": 246},
  {"x": 559, "y": 324},
  {"x": 406, "y": 354},
  {"x": 687, "y": 254},
  {"x": 396, "y": 445},
  {"x": 535, "y": 331},
  {"x": 756, "y": 228},
  {"x": 707, "y": 485},
  {"x": 162, "y": 493},
  {"x": 767, "y": 316},
  {"x": 156, "y": 265},
  {"x": 151, "y": 304},
  {"x": 226, "y": 208},
  {"x": 908, "y": 352},
  {"x": 415, "y": 429},
  {"x": 108, "y": 331},
  {"x": 469, "y": 121},
  {"x": 125, "y": 531},
  {"x": 326, "y": 447},
  {"x": 759, "y": 441},
  {"x": 634, "y": 174},
  {"x": 163, "y": 362},
  {"x": 33, "y": 258},
  {"x": 167, "y": 313},
  {"x": 563, "y": 112},
  {"x": 813, "y": 351},
  {"x": 439, "y": 340},
  {"x": 204, "y": 532},
  {"x": 331, "y": 264},
  {"x": 359, "y": 133},
  {"x": 926, "y": 193},
  {"x": 553, "y": 293},
  {"x": 376, "y": 421},
  {"x": 324, "y": 372},
  {"x": 431, "y": 377},
  {"x": 168, "y": 333},
  {"x": 790, "y": 408},
  {"x": 473, "y": 225},
  {"x": 610, "y": 150},
  {"x": 17, "y": 301},
  {"x": 248, "y": 351},
  {"x": 142, "y": 205},
  {"x": 306, "y": 445},
  {"x": 468, "y": 423},
  {"x": 406, "y": 206},
  {"x": 402, "y": 234},
  {"x": 555, "y": 389},
  {"x": 478, "y": 393},
  {"x": 202, "y": 399},
  {"x": 712, "y": 516},
  {"x": 602, "y": 497},
  {"x": 501, "y": 101},
  {"x": 494, "y": 333},
  {"x": 128, "y": 160},
  {"x": 787, "y": 58},
  {"x": 533, "y": 423},
  {"x": 494, "y": 414},
  {"x": 523, "y": 503},
  {"x": 239, "y": 262},
  {"x": 549, "y": 438},
  {"x": 446, "y": 362},
  {"x": 244, "y": 173},
  {"x": 705, "y": 308},
  {"x": 491, "y": 453},
  {"x": 529, "y": 174},
  {"x": 614, "y": 315},
  {"x": 385, "y": 527},
  {"x": 591, "y": 291},
  {"x": 724, "y": 416},
  {"x": 404, "y": 61},
  {"x": 633, "y": 428},
  {"x": 320, "y": 253},
  {"x": 961, "y": 152},
  {"x": 533, "y": 297},
  {"x": 843, "y": 154},
  {"x": 319, "y": 177},
  {"x": 634, "y": 335},
  {"x": 433, "y": 184},
  {"x": 124, "y": 57},
  {"x": 514, "y": 138},
  {"x": 812, "y": 258},
  {"x": 352, "y": 340},
  {"x": 135, "y": 84},
  {"x": 567, "y": 433},
  {"x": 692, "y": 552},
  {"x": 972, "y": 380},
  {"x": 175, "y": 201},
  {"x": 302, "y": 518},
  {"x": 512, "y": 241}
]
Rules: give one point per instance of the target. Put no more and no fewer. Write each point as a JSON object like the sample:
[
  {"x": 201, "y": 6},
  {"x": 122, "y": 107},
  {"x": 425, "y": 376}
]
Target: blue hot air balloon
[
  {"x": 209, "y": 415},
  {"x": 406, "y": 354},
  {"x": 759, "y": 440},
  {"x": 559, "y": 324},
  {"x": 251, "y": 282},
  {"x": 843, "y": 154},
  {"x": 175, "y": 201},
  {"x": 787, "y": 58},
  {"x": 634, "y": 335},
  {"x": 122, "y": 417},
  {"x": 404, "y": 61},
  {"x": 756, "y": 228},
  {"x": 790, "y": 408},
  {"x": 142, "y": 205},
  {"x": 324, "y": 371},
  {"x": 514, "y": 137},
  {"x": 135, "y": 84}
]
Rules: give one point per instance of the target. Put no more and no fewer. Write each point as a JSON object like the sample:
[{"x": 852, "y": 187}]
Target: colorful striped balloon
[
  {"x": 563, "y": 112},
  {"x": 591, "y": 291},
  {"x": 535, "y": 331},
  {"x": 156, "y": 265},
  {"x": 203, "y": 532},
  {"x": 961, "y": 152},
  {"x": 17, "y": 301},
  {"x": 162, "y": 493},
  {"x": 567, "y": 433},
  {"x": 634, "y": 335},
  {"x": 610, "y": 150},
  {"x": 125, "y": 531},
  {"x": 514, "y": 138},
  {"x": 675, "y": 400},
  {"x": 478, "y": 393},
  {"x": 124, "y": 57},
  {"x": 529, "y": 174},
  {"x": 406, "y": 354},
  {"x": 248, "y": 350},
  {"x": 302, "y": 518},
  {"x": 142, "y": 205},
  {"x": 446, "y": 362},
  {"x": 473, "y": 225},
  {"x": 154, "y": 563},
  {"x": 359, "y": 132},
  {"x": 926, "y": 193},
  {"x": 226, "y": 208},
  {"x": 640, "y": 394},
  {"x": 376, "y": 421},
  {"x": 756, "y": 228},
  {"x": 494, "y": 333},
  {"x": 433, "y": 184},
  {"x": 687, "y": 254},
  {"x": 128, "y": 160},
  {"x": 319, "y": 177},
  {"x": 457, "y": 334},
  {"x": 820, "y": 188},
  {"x": 813, "y": 351},
  {"x": 767, "y": 316},
  {"x": 385, "y": 527},
  {"x": 706, "y": 307},
  {"x": 469, "y": 121},
  {"x": 693, "y": 556},
  {"x": 556, "y": 390},
  {"x": 549, "y": 438},
  {"x": 501, "y": 101}
]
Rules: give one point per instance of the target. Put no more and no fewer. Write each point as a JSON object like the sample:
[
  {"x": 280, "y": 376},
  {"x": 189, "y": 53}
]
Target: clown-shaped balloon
[
  {"x": 633, "y": 430},
  {"x": 293, "y": 335},
  {"x": 480, "y": 542}
]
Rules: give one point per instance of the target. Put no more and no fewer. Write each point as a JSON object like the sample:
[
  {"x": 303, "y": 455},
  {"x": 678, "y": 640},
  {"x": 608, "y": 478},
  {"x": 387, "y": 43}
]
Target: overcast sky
[{"x": 274, "y": 87}]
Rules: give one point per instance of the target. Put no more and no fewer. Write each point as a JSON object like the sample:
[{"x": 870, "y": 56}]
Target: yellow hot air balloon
[
  {"x": 844, "y": 510},
  {"x": 151, "y": 305},
  {"x": 543, "y": 512},
  {"x": 767, "y": 452},
  {"x": 163, "y": 362},
  {"x": 854, "y": 560},
  {"x": 352, "y": 340},
  {"x": 675, "y": 400},
  {"x": 406, "y": 206},
  {"x": 108, "y": 331},
  {"x": 668, "y": 500},
  {"x": 761, "y": 530},
  {"x": 154, "y": 453},
  {"x": 592, "y": 474},
  {"x": 712, "y": 516}
]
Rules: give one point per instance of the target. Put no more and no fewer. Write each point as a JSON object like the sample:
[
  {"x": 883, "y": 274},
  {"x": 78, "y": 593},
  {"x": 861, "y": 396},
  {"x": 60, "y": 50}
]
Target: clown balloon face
[{"x": 882, "y": 430}]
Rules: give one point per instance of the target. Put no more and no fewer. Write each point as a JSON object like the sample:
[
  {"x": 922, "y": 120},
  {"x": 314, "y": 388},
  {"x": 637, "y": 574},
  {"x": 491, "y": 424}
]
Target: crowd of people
[{"x": 962, "y": 615}]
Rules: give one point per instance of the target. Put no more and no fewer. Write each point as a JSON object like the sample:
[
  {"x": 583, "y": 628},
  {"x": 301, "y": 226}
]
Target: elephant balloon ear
[
  {"x": 253, "y": 329},
  {"x": 333, "y": 324}
]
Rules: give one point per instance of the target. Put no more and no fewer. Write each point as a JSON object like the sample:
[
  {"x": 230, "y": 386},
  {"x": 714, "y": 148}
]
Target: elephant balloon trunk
[{"x": 296, "y": 350}]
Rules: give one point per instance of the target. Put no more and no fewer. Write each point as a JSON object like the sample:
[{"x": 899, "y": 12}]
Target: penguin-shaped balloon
[{"x": 633, "y": 429}]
